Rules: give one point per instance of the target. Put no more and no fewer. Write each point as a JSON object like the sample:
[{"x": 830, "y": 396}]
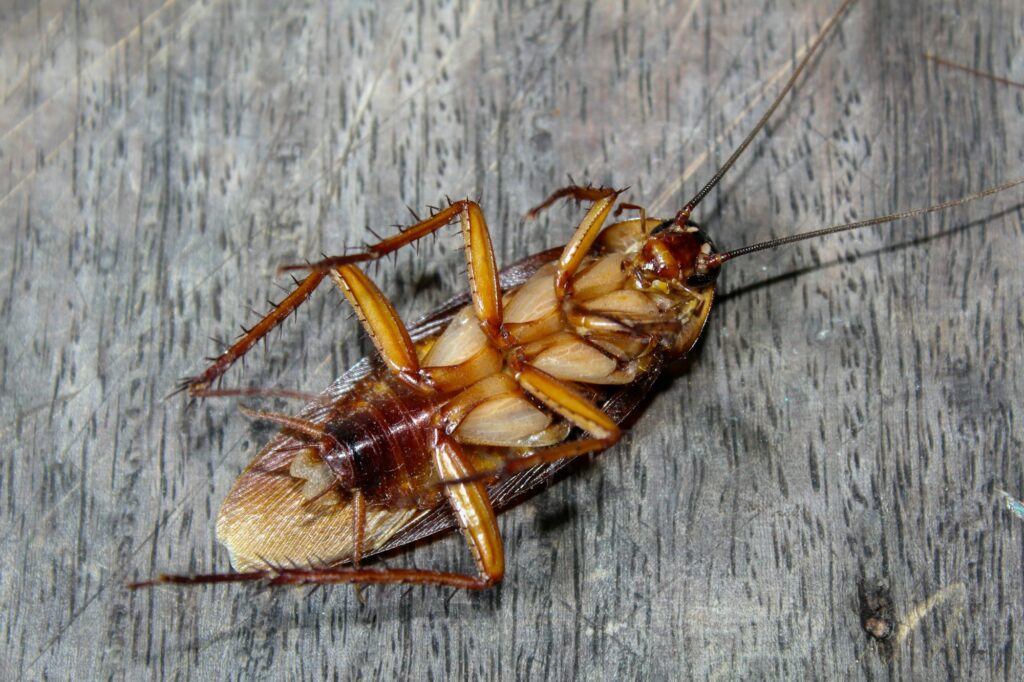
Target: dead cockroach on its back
[{"x": 472, "y": 408}]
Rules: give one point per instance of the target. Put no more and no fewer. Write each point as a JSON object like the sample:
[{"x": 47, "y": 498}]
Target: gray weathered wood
[{"x": 851, "y": 416}]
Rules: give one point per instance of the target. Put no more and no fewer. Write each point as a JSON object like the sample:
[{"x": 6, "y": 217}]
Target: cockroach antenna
[
  {"x": 709, "y": 262},
  {"x": 684, "y": 215},
  {"x": 713, "y": 260}
]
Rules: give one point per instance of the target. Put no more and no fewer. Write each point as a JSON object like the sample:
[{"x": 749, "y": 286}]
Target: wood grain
[{"x": 848, "y": 424}]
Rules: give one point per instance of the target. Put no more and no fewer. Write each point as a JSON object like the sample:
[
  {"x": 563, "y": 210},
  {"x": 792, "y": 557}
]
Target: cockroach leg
[
  {"x": 473, "y": 510},
  {"x": 325, "y": 576},
  {"x": 578, "y": 247},
  {"x": 358, "y": 526},
  {"x": 391, "y": 244},
  {"x": 197, "y": 384},
  {"x": 576, "y": 192},
  {"x": 479, "y": 254},
  {"x": 381, "y": 322},
  {"x": 362, "y": 576},
  {"x": 634, "y": 207},
  {"x": 305, "y": 427},
  {"x": 256, "y": 392},
  {"x": 626, "y": 206},
  {"x": 483, "y": 274},
  {"x": 554, "y": 453},
  {"x": 570, "y": 404},
  {"x": 568, "y": 450}
]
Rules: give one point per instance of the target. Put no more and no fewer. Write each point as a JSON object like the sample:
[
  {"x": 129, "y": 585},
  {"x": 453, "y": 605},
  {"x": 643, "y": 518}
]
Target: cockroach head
[{"x": 677, "y": 256}]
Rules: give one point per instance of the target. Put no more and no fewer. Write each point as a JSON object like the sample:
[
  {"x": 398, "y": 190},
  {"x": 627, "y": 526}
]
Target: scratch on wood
[{"x": 956, "y": 591}]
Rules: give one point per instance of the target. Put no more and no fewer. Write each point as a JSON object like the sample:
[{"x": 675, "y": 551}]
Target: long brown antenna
[
  {"x": 714, "y": 260},
  {"x": 684, "y": 214},
  {"x": 974, "y": 72}
]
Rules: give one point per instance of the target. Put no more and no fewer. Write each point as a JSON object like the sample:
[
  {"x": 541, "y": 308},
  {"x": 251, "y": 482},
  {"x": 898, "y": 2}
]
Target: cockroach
[{"x": 466, "y": 412}]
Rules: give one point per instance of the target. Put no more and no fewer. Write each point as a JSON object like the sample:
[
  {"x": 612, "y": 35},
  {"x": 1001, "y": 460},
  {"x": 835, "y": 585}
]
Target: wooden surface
[{"x": 847, "y": 425}]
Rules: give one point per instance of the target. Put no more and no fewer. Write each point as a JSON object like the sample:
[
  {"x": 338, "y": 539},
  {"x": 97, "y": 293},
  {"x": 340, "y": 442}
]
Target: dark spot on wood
[{"x": 876, "y": 615}]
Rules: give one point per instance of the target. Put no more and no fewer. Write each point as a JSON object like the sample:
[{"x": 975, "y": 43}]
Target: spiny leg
[
  {"x": 482, "y": 270},
  {"x": 571, "y": 405},
  {"x": 358, "y": 526},
  {"x": 578, "y": 247},
  {"x": 199, "y": 385},
  {"x": 483, "y": 273},
  {"x": 407, "y": 236},
  {"x": 381, "y": 322},
  {"x": 322, "y": 576},
  {"x": 576, "y": 192},
  {"x": 560, "y": 398}
]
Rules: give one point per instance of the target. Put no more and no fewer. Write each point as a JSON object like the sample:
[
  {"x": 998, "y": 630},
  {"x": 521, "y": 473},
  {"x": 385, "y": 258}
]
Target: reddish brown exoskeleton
[{"x": 465, "y": 412}]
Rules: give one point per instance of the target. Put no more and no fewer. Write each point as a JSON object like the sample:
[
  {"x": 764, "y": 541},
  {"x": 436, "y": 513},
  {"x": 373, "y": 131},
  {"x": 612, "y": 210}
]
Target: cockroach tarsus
[{"x": 483, "y": 400}]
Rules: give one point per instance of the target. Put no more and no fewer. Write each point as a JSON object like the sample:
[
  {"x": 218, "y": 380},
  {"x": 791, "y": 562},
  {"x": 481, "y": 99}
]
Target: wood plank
[{"x": 850, "y": 419}]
